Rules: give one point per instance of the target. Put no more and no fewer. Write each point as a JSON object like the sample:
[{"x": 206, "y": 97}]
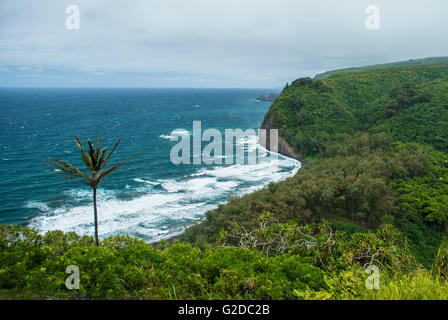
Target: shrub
[{"x": 125, "y": 267}]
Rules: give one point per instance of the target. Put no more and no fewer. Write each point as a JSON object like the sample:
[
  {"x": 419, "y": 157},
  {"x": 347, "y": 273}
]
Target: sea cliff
[{"x": 284, "y": 147}]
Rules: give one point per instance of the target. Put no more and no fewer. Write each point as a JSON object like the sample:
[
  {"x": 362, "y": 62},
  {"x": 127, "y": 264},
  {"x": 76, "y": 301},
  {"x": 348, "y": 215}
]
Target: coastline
[{"x": 284, "y": 149}]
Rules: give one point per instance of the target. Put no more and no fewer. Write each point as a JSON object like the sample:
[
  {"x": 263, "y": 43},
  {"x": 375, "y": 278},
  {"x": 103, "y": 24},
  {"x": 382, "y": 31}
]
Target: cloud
[
  {"x": 23, "y": 68},
  {"x": 251, "y": 43}
]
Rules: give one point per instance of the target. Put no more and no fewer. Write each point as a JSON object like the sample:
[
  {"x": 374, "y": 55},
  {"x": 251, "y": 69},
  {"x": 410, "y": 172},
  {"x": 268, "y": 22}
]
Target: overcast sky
[{"x": 208, "y": 43}]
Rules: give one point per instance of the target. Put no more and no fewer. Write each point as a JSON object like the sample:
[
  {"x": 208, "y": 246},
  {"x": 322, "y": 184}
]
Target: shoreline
[
  {"x": 284, "y": 148},
  {"x": 294, "y": 156}
]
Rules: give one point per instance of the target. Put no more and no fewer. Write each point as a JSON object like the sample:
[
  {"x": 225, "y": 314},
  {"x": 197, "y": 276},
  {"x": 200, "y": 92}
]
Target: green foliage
[
  {"x": 408, "y": 104},
  {"x": 399, "y": 105},
  {"x": 441, "y": 265},
  {"x": 350, "y": 285},
  {"x": 331, "y": 250},
  {"x": 420, "y": 285},
  {"x": 347, "y": 227},
  {"x": 330, "y": 266},
  {"x": 427, "y": 196},
  {"x": 378, "y": 175},
  {"x": 424, "y": 239},
  {"x": 125, "y": 267},
  {"x": 350, "y": 181},
  {"x": 354, "y": 184},
  {"x": 412, "y": 62}
]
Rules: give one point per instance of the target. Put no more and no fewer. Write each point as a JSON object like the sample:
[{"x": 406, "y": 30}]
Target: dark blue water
[{"x": 150, "y": 197}]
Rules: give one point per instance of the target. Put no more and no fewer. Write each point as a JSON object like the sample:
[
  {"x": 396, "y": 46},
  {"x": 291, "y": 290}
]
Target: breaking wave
[{"x": 163, "y": 211}]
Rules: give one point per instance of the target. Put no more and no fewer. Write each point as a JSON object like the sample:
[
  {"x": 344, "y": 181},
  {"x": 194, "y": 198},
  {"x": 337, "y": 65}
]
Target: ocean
[{"x": 150, "y": 197}]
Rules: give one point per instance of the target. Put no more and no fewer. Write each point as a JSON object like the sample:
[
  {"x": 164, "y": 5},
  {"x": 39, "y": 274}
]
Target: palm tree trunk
[{"x": 96, "y": 217}]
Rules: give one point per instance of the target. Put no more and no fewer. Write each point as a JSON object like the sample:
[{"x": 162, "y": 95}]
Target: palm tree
[{"x": 95, "y": 161}]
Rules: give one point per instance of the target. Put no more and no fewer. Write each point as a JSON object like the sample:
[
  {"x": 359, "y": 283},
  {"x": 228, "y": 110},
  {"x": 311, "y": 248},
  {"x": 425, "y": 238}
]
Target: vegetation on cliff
[
  {"x": 318, "y": 264},
  {"x": 377, "y": 142},
  {"x": 410, "y": 104},
  {"x": 412, "y": 62},
  {"x": 374, "y": 194}
]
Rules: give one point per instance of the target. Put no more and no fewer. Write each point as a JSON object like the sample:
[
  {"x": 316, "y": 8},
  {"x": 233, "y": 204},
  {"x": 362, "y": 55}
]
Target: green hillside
[
  {"x": 407, "y": 103},
  {"x": 412, "y": 62},
  {"x": 374, "y": 192},
  {"x": 377, "y": 142}
]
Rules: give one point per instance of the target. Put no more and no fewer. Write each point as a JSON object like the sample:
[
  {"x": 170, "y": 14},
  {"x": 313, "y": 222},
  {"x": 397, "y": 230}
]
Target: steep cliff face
[
  {"x": 284, "y": 147},
  {"x": 406, "y": 103}
]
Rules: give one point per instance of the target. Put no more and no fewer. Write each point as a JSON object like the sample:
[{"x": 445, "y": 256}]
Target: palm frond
[
  {"x": 115, "y": 167},
  {"x": 85, "y": 157},
  {"x": 97, "y": 149},
  {"x": 68, "y": 166},
  {"x": 95, "y": 160},
  {"x": 111, "y": 152},
  {"x": 61, "y": 168},
  {"x": 101, "y": 160},
  {"x": 92, "y": 153},
  {"x": 65, "y": 176}
]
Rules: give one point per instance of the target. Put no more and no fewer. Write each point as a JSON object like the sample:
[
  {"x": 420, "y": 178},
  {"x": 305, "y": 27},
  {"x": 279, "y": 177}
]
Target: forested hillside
[
  {"x": 408, "y": 63},
  {"x": 408, "y": 103},
  {"x": 377, "y": 142},
  {"x": 373, "y": 193}
]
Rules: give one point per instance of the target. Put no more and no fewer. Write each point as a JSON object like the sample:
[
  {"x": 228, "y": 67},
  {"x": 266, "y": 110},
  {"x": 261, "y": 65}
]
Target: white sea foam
[
  {"x": 250, "y": 141},
  {"x": 37, "y": 205},
  {"x": 160, "y": 212},
  {"x": 175, "y": 134},
  {"x": 146, "y": 182}
]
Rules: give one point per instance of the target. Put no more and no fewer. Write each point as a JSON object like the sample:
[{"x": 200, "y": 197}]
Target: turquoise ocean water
[{"x": 150, "y": 197}]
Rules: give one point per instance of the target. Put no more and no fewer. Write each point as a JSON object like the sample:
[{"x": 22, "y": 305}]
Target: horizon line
[{"x": 136, "y": 87}]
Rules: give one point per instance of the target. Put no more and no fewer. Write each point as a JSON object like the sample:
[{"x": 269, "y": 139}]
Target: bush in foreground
[
  {"x": 125, "y": 267},
  {"x": 32, "y": 266}
]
